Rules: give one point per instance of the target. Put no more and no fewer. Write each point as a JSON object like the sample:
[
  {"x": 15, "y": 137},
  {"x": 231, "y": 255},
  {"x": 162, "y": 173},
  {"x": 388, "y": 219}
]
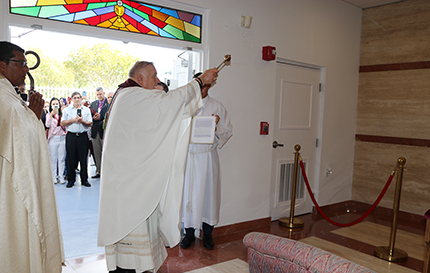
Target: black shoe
[
  {"x": 96, "y": 176},
  {"x": 70, "y": 184},
  {"x": 186, "y": 242},
  {"x": 86, "y": 184},
  {"x": 208, "y": 243},
  {"x": 122, "y": 270}
]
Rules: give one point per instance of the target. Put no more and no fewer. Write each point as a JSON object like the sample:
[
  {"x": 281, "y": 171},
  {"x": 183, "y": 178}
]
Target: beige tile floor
[
  {"x": 236, "y": 265},
  {"x": 363, "y": 259},
  {"x": 379, "y": 235},
  {"x": 92, "y": 265}
]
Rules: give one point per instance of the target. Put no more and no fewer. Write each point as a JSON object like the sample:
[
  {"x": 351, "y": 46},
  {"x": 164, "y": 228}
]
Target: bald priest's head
[{"x": 145, "y": 74}]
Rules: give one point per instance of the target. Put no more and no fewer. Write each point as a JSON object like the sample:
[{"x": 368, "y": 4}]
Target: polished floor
[
  {"x": 78, "y": 208},
  {"x": 78, "y": 214}
]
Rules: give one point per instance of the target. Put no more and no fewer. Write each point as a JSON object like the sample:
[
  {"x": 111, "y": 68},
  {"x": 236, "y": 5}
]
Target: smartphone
[
  {"x": 79, "y": 112},
  {"x": 55, "y": 107}
]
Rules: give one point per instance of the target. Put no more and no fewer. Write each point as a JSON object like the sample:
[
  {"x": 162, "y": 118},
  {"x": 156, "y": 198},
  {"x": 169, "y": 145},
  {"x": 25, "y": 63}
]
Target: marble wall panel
[
  {"x": 396, "y": 33},
  {"x": 373, "y": 164},
  {"x": 394, "y": 103}
]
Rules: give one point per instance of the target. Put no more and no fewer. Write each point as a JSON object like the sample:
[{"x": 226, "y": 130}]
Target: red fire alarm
[
  {"x": 269, "y": 53},
  {"x": 264, "y": 128}
]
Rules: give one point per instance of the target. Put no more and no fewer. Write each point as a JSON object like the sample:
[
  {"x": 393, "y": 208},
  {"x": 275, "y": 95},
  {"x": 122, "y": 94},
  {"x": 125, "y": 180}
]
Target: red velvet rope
[{"x": 354, "y": 222}]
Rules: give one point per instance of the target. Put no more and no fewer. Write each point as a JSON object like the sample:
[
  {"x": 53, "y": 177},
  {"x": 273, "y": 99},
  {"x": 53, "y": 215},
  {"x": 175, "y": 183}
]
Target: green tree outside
[
  {"x": 85, "y": 68},
  {"x": 100, "y": 65},
  {"x": 51, "y": 72}
]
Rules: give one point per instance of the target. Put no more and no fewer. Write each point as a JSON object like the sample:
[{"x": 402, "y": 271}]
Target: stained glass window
[{"x": 122, "y": 15}]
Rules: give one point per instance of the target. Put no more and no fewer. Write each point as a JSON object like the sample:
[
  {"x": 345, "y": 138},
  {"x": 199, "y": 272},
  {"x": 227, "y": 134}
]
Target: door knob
[{"x": 275, "y": 144}]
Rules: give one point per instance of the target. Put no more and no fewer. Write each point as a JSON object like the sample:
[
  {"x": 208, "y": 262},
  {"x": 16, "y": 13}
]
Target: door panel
[
  {"x": 296, "y": 105},
  {"x": 296, "y": 117}
]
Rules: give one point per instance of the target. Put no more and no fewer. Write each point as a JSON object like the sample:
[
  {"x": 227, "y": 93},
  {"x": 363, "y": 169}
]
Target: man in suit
[
  {"x": 97, "y": 129},
  {"x": 104, "y": 110}
]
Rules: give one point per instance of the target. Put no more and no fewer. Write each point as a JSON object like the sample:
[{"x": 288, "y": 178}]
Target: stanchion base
[
  {"x": 285, "y": 222},
  {"x": 398, "y": 255}
]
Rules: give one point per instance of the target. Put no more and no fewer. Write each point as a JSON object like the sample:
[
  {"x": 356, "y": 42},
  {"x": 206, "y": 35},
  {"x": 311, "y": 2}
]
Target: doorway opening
[{"x": 62, "y": 57}]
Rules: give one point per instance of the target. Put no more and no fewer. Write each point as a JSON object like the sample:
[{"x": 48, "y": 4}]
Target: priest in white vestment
[
  {"x": 30, "y": 233},
  {"x": 143, "y": 165},
  {"x": 202, "y": 187}
]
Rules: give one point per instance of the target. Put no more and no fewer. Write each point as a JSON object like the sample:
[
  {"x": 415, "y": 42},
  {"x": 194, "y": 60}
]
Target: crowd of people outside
[
  {"x": 67, "y": 121},
  {"x": 74, "y": 132}
]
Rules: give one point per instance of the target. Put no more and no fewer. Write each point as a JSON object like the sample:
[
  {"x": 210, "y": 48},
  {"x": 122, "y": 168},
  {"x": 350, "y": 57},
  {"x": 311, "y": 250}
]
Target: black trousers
[
  {"x": 207, "y": 230},
  {"x": 77, "y": 151}
]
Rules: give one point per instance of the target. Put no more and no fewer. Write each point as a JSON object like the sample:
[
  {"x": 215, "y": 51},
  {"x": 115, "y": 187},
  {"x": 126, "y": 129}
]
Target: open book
[{"x": 203, "y": 129}]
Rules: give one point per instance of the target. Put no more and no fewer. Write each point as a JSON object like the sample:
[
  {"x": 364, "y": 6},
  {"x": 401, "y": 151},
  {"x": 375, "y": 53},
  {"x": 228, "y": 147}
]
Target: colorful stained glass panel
[{"x": 123, "y": 15}]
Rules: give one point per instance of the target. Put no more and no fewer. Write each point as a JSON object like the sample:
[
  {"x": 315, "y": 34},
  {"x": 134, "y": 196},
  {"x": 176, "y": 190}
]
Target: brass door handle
[{"x": 275, "y": 144}]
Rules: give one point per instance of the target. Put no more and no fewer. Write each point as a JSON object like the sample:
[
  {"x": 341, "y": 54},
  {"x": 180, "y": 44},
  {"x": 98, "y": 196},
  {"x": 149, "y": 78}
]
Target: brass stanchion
[
  {"x": 293, "y": 222},
  {"x": 427, "y": 240},
  {"x": 390, "y": 253}
]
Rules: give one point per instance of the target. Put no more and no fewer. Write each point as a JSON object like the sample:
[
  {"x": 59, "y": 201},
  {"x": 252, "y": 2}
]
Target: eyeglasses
[{"x": 23, "y": 63}]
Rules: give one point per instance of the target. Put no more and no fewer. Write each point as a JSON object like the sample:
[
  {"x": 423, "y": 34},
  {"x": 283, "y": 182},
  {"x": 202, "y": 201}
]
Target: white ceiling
[{"x": 364, "y": 4}]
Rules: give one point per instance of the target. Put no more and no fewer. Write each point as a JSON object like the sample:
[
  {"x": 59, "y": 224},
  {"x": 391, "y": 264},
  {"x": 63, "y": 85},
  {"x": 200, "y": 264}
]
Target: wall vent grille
[{"x": 286, "y": 182}]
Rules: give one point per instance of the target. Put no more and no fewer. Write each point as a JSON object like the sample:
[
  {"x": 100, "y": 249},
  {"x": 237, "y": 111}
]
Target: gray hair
[
  {"x": 137, "y": 67},
  {"x": 76, "y": 93},
  {"x": 99, "y": 89}
]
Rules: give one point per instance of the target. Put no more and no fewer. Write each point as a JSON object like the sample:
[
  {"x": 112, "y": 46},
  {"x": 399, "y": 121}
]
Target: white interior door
[{"x": 296, "y": 118}]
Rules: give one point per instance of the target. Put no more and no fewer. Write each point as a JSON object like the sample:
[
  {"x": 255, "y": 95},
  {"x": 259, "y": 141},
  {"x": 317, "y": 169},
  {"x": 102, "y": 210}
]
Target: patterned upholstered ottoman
[{"x": 269, "y": 253}]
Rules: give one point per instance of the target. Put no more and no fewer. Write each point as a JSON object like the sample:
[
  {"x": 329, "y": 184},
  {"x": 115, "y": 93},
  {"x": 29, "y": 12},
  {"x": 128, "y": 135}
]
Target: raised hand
[
  {"x": 36, "y": 104},
  {"x": 209, "y": 76}
]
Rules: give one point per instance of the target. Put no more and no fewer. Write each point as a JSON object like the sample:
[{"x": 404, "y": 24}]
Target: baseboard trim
[{"x": 243, "y": 226}]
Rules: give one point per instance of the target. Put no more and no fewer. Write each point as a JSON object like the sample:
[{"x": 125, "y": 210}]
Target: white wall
[
  {"x": 4, "y": 36},
  {"x": 324, "y": 33}
]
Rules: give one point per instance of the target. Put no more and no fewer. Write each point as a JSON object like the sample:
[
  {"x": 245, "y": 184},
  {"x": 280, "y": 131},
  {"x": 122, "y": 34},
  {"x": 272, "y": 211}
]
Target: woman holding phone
[{"x": 56, "y": 141}]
